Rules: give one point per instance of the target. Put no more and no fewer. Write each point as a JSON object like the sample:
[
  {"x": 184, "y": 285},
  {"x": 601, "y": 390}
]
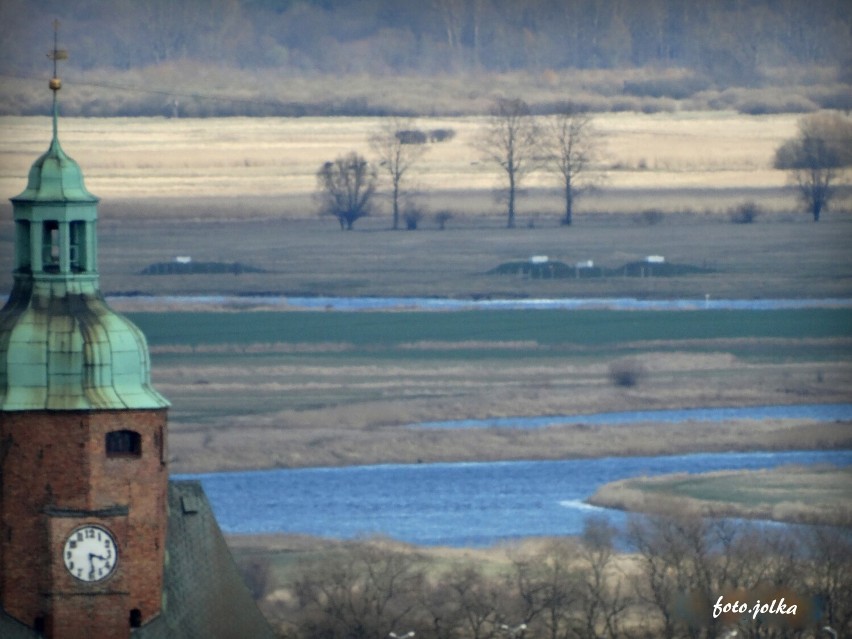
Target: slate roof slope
[
  {"x": 204, "y": 595},
  {"x": 11, "y": 629}
]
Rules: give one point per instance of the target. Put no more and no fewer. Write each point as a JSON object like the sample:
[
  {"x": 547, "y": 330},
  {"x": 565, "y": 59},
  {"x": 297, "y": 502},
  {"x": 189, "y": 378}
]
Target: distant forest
[
  {"x": 730, "y": 41},
  {"x": 369, "y": 57}
]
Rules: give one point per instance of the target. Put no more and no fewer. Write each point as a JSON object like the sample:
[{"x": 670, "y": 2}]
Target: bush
[
  {"x": 771, "y": 104},
  {"x": 411, "y": 136},
  {"x": 412, "y": 216},
  {"x": 626, "y": 374},
  {"x": 678, "y": 88},
  {"x": 441, "y": 135},
  {"x": 650, "y": 217},
  {"x": 745, "y": 213}
]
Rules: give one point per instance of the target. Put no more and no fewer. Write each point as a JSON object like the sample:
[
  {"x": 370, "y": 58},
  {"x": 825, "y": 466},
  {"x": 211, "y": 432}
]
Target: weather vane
[{"x": 56, "y": 55}]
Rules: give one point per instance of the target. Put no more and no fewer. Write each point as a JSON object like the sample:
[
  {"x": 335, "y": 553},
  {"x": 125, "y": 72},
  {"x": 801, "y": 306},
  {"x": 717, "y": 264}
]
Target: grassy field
[
  {"x": 773, "y": 258},
  {"x": 801, "y": 495},
  {"x": 260, "y": 389}
]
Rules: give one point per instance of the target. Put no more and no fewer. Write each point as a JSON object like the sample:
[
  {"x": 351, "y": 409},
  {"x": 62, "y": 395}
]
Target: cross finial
[{"x": 56, "y": 55}]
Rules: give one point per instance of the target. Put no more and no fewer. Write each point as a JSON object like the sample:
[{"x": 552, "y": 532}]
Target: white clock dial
[{"x": 90, "y": 553}]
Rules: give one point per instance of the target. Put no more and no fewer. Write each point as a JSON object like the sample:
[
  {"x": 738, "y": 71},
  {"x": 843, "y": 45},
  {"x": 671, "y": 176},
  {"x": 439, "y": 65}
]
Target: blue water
[
  {"x": 815, "y": 412},
  {"x": 467, "y": 504},
  {"x": 437, "y": 304}
]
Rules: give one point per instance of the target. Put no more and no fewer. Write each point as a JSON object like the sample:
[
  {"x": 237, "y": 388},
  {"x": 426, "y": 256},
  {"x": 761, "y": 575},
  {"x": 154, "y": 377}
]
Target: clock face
[{"x": 90, "y": 553}]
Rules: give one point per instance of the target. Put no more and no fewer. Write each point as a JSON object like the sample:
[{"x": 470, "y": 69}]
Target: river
[
  {"x": 811, "y": 412},
  {"x": 461, "y": 505}
]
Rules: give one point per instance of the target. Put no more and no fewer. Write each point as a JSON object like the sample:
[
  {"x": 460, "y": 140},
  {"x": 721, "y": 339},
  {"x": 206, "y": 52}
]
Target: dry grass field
[{"x": 277, "y": 157}]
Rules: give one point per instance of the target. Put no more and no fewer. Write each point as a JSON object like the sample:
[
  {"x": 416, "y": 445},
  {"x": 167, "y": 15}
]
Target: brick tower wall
[{"x": 56, "y": 476}]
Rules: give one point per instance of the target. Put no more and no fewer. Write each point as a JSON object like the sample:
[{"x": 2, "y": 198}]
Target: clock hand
[{"x": 92, "y": 557}]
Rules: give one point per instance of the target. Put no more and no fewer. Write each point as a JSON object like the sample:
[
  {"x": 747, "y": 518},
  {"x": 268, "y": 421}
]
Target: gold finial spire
[
  {"x": 55, "y": 83},
  {"x": 56, "y": 55}
]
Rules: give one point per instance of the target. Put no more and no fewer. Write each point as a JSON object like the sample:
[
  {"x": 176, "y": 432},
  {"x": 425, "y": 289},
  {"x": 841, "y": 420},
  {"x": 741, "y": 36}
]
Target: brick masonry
[{"x": 57, "y": 476}]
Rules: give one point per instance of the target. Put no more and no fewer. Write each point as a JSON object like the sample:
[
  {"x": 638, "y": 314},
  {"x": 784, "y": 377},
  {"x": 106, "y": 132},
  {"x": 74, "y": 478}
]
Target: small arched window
[
  {"x": 123, "y": 443},
  {"x": 50, "y": 246},
  {"x": 78, "y": 258},
  {"x": 135, "y": 618}
]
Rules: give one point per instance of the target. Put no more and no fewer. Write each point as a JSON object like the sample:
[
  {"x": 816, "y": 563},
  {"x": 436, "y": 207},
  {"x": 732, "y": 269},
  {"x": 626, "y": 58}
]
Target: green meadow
[{"x": 544, "y": 327}]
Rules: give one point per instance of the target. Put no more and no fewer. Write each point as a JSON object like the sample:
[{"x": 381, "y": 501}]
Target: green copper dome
[
  {"x": 61, "y": 346},
  {"x": 55, "y": 177}
]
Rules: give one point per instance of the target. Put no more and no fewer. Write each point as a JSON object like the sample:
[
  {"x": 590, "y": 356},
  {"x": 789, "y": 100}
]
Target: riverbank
[
  {"x": 246, "y": 448},
  {"x": 810, "y": 495}
]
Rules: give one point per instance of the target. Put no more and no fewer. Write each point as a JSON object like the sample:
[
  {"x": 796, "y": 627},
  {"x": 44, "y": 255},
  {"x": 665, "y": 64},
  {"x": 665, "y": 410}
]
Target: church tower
[{"x": 83, "y": 474}]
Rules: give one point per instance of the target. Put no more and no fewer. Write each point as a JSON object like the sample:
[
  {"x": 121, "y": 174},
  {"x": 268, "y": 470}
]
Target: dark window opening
[
  {"x": 123, "y": 443},
  {"x": 39, "y": 625},
  {"x": 135, "y": 618},
  {"x": 23, "y": 248},
  {"x": 78, "y": 246},
  {"x": 50, "y": 246}
]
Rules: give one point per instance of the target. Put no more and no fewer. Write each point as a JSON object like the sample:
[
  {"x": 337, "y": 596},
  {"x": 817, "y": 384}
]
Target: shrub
[
  {"x": 626, "y": 373},
  {"x": 411, "y": 136},
  {"x": 442, "y": 217},
  {"x": 441, "y": 135},
  {"x": 771, "y": 104},
  {"x": 745, "y": 213},
  {"x": 412, "y": 216},
  {"x": 650, "y": 217},
  {"x": 678, "y": 88}
]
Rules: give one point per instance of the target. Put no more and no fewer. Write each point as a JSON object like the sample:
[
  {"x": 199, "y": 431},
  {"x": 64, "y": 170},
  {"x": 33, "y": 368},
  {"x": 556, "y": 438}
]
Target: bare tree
[
  {"x": 363, "y": 590},
  {"x": 602, "y": 599},
  {"x": 511, "y": 140},
  {"x": 346, "y": 188},
  {"x": 815, "y": 157},
  {"x": 830, "y": 571},
  {"x": 573, "y": 144},
  {"x": 478, "y": 600},
  {"x": 548, "y": 589},
  {"x": 396, "y": 156}
]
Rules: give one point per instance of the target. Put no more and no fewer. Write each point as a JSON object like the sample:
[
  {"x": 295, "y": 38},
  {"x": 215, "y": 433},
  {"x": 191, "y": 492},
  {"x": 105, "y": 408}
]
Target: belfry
[{"x": 95, "y": 542}]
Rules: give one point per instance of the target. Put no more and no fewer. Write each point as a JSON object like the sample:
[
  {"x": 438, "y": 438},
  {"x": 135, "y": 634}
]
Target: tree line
[
  {"x": 674, "y": 582},
  {"x": 565, "y": 144},
  {"x": 512, "y": 139},
  {"x": 728, "y": 42}
]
